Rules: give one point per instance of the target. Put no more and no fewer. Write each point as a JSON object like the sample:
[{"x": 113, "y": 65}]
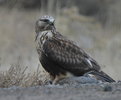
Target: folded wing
[{"x": 69, "y": 56}]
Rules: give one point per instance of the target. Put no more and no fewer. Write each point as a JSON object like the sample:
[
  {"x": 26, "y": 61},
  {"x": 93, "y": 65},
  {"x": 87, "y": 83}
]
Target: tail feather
[{"x": 100, "y": 75}]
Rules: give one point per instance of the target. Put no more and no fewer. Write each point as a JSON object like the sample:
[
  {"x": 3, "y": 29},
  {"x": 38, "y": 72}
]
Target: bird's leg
[
  {"x": 58, "y": 78},
  {"x": 51, "y": 79}
]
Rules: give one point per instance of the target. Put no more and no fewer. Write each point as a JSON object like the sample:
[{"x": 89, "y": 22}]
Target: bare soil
[{"x": 58, "y": 92}]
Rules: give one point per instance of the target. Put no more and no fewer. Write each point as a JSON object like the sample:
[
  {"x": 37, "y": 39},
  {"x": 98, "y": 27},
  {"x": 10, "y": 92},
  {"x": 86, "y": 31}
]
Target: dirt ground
[{"x": 58, "y": 92}]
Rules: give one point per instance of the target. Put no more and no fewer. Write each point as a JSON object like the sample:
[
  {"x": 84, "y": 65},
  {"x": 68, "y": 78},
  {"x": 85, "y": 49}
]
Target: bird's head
[{"x": 44, "y": 23}]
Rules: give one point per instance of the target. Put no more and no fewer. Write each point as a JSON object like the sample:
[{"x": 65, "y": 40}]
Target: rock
[
  {"x": 76, "y": 81},
  {"x": 107, "y": 88}
]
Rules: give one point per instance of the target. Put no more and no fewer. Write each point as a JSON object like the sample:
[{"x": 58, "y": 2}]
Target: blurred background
[{"x": 95, "y": 25}]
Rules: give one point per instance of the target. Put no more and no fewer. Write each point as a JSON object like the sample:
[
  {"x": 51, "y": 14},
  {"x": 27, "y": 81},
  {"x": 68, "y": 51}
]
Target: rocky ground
[{"x": 79, "y": 90}]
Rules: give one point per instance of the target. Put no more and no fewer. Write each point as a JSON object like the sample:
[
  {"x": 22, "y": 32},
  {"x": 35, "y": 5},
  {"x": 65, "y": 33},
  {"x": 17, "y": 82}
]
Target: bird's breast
[{"x": 42, "y": 37}]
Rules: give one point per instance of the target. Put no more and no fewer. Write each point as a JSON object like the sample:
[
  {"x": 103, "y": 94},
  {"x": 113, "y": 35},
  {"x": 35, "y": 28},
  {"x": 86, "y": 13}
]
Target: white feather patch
[
  {"x": 91, "y": 75},
  {"x": 68, "y": 74},
  {"x": 49, "y": 34},
  {"x": 89, "y": 62}
]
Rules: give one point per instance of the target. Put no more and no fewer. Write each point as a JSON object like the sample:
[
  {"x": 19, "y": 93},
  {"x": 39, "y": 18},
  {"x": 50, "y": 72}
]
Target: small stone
[
  {"x": 119, "y": 81},
  {"x": 107, "y": 88}
]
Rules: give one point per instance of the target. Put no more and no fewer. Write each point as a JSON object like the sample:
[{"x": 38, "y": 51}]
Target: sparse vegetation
[{"x": 17, "y": 76}]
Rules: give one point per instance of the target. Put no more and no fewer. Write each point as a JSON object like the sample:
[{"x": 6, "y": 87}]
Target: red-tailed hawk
[{"x": 60, "y": 57}]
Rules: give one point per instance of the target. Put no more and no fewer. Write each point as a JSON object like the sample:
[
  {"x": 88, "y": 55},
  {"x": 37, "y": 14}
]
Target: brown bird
[{"x": 61, "y": 57}]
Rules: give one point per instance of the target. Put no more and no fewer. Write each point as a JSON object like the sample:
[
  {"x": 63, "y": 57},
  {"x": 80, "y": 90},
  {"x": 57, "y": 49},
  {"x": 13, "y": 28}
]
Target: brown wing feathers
[
  {"x": 71, "y": 58},
  {"x": 67, "y": 53}
]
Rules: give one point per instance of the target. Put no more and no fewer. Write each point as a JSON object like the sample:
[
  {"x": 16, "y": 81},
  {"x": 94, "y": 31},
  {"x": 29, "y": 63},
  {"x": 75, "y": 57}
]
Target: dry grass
[{"x": 17, "y": 76}]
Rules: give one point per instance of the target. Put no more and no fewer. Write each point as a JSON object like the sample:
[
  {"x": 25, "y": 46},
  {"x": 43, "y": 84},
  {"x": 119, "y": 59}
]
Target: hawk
[{"x": 61, "y": 57}]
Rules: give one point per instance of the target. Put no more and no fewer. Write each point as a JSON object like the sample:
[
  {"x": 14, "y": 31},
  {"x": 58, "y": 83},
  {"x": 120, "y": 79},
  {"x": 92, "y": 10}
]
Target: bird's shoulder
[
  {"x": 63, "y": 42},
  {"x": 60, "y": 45}
]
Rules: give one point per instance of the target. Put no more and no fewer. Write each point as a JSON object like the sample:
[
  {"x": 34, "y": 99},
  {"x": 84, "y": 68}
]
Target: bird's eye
[{"x": 46, "y": 20}]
